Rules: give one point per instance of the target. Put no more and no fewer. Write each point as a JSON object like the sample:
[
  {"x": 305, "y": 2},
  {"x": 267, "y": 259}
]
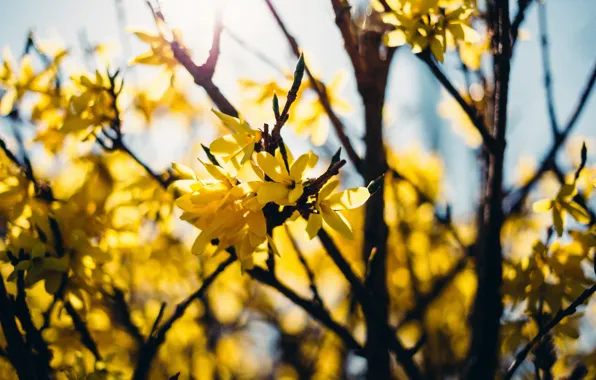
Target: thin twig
[
  {"x": 123, "y": 315},
  {"x": 438, "y": 287},
  {"x": 321, "y": 91},
  {"x": 548, "y": 85},
  {"x": 309, "y": 272},
  {"x": 151, "y": 346},
  {"x": 522, "y": 7},
  {"x": 81, "y": 327},
  {"x": 312, "y": 308},
  {"x": 476, "y": 119},
  {"x": 255, "y": 51},
  {"x": 343, "y": 20},
  {"x": 367, "y": 302},
  {"x": 515, "y": 200},
  {"x": 445, "y": 221},
  {"x": 569, "y": 310}
]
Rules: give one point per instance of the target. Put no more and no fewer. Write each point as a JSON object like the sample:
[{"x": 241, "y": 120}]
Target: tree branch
[
  {"x": 314, "y": 309},
  {"x": 476, "y": 119},
  {"x": 569, "y": 310},
  {"x": 550, "y": 101},
  {"x": 151, "y": 346},
  {"x": 343, "y": 20},
  {"x": 522, "y": 7},
  {"x": 321, "y": 91},
  {"x": 16, "y": 350},
  {"x": 309, "y": 272},
  {"x": 370, "y": 307},
  {"x": 427, "y": 298},
  {"x": 516, "y": 199},
  {"x": 483, "y": 356},
  {"x": 81, "y": 327}
]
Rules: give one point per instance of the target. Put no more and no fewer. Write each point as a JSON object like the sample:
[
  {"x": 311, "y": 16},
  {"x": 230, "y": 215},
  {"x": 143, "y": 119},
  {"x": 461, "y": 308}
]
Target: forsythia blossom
[
  {"x": 230, "y": 206},
  {"x": 428, "y": 23}
]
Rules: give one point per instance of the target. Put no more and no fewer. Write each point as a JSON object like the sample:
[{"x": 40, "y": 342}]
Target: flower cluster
[
  {"x": 249, "y": 191},
  {"x": 426, "y": 24}
]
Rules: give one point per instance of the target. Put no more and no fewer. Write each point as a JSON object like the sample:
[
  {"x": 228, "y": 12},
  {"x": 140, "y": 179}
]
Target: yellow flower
[
  {"x": 429, "y": 23},
  {"x": 43, "y": 266},
  {"x": 243, "y": 139},
  {"x": 92, "y": 107},
  {"x": 285, "y": 187},
  {"x": 160, "y": 52},
  {"x": 562, "y": 204},
  {"x": 216, "y": 207},
  {"x": 24, "y": 79},
  {"x": 327, "y": 206}
]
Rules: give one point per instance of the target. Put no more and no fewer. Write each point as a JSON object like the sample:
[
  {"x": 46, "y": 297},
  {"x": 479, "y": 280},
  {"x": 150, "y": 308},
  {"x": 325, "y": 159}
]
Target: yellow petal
[
  {"x": 257, "y": 224},
  {"x": 395, "y": 38},
  {"x": 567, "y": 191},
  {"x": 328, "y": 189},
  {"x": 273, "y": 168},
  {"x": 542, "y": 205},
  {"x": 296, "y": 193},
  {"x": 577, "y": 212},
  {"x": 272, "y": 192},
  {"x": 39, "y": 251},
  {"x": 464, "y": 32},
  {"x": 201, "y": 242},
  {"x": 337, "y": 221},
  {"x": 225, "y": 145},
  {"x": 299, "y": 166},
  {"x": 349, "y": 199},
  {"x": 146, "y": 37},
  {"x": 558, "y": 221},
  {"x": 7, "y": 102},
  {"x": 53, "y": 282},
  {"x": 437, "y": 49},
  {"x": 315, "y": 221},
  {"x": 237, "y": 125},
  {"x": 183, "y": 171}
]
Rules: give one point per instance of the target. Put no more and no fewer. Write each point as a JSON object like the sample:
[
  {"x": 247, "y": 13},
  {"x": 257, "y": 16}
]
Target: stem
[
  {"x": 150, "y": 348},
  {"x": 569, "y": 310},
  {"x": 485, "y": 322}
]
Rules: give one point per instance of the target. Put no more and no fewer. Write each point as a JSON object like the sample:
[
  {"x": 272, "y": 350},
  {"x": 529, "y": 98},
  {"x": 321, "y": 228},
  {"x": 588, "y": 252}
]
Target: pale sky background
[{"x": 413, "y": 93}]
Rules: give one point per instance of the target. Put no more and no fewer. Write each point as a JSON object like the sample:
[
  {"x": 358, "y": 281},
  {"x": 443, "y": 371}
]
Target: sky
[{"x": 413, "y": 93}]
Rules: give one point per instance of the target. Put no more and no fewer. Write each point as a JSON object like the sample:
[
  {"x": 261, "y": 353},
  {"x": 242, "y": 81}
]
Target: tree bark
[{"x": 484, "y": 351}]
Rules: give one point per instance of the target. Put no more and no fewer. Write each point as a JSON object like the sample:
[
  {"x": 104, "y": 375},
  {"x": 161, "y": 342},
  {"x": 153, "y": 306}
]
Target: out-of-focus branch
[
  {"x": 312, "y": 308},
  {"x": 151, "y": 346},
  {"x": 34, "y": 339},
  {"x": 485, "y": 322},
  {"x": 321, "y": 91},
  {"x": 427, "y": 298},
  {"x": 43, "y": 191},
  {"x": 550, "y": 101},
  {"x": 445, "y": 221},
  {"x": 309, "y": 272},
  {"x": 522, "y": 7},
  {"x": 208, "y": 67},
  {"x": 16, "y": 351},
  {"x": 81, "y": 327},
  {"x": 203, "y": 74},
  {"x": 256, "y": 52},
  {"x": 516, "y": 199},
  {"x": 569, "y": 310},
  {"x": 201, "y": 78},
  {"x": 122, "y": 314},
  {"x": 369, "y": 306},
  {"x": 343, "y": 20},
  {"x": 476, "y": 119}
]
